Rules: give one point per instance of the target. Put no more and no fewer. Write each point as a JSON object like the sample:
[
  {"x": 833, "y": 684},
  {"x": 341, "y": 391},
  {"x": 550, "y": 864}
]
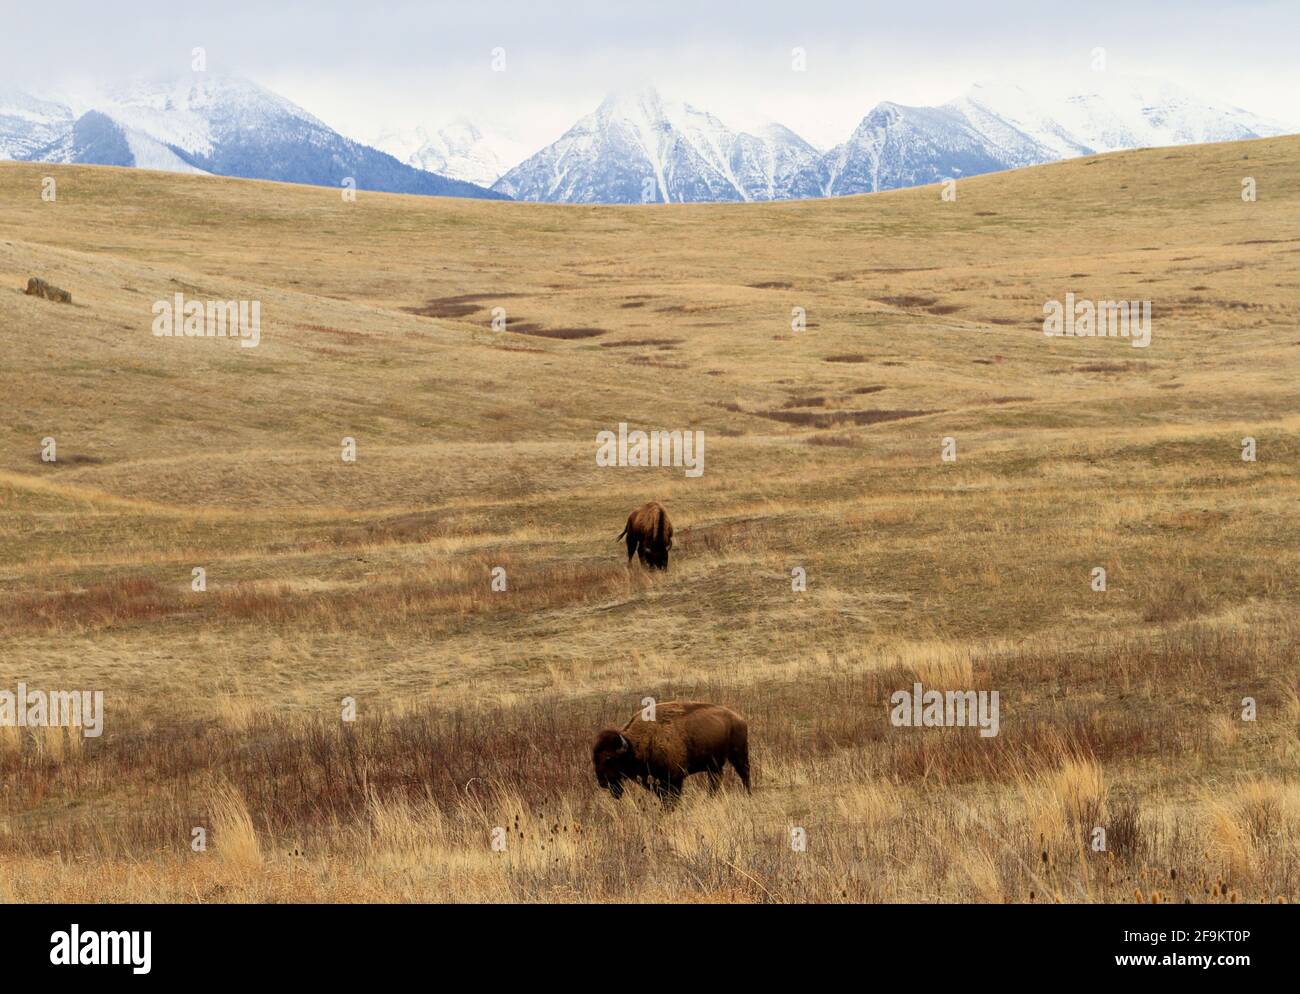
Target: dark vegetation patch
[
  {"x": 649, "y": 360},
  {"x": 871, "y": 389},
  {"x": 850, "y": 357},
  {"x": 908, "y": 300},
  {"x": 37, "y": 287},
  {"x": 627, "y": 343},
  {"x": 887, "y": 269},
  {"x": 76, "y": 459},
  {"x": 817, "y": 419},
  {"x": 805, "y": 402},
  {"x": 1104, "y": 367},
  {"x": 542, "y": 331},
  {"x": 771, "y": 285},
  {"x": 944, "y": 309},
  {"x": 458, "y": 306},
  {"x": 517, "y": 348}
]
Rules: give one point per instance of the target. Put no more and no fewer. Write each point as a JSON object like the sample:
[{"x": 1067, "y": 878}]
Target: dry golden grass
[{"x": 475, "y": 708}]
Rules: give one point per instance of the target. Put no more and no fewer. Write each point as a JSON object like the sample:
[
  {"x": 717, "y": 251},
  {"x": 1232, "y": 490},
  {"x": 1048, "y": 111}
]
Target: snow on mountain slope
[
  {"x": 459, "y": 149},
  {"x": 149, "y": 153},
  {"x": 771, "y": 162},
  {"x": 99, "y": 139},
  {"x": 28, "y": 123},
  {"x": 229, "y": 126},
  {"x": 1007, "y": 124},
  {"x": 638, "y": 147},
  {"x": 1107, "y": 112},
  {"x": 898, "y": 146}
]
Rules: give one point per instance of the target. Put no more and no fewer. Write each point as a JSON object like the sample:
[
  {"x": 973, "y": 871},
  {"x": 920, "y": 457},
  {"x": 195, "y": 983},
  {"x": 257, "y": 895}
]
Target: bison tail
[{"x": 622, "y": 533}]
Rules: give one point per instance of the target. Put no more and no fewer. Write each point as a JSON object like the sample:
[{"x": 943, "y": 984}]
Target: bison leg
[
  {"x": 631, "y": 546},
  {"x": 668, "y": 791},
  {"x": 739, "y": 758}
]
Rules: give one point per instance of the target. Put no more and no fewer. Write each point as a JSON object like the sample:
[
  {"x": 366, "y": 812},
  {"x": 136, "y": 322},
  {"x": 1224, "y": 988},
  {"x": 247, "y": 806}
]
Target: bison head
[
  {"x": 613, "y": 759},
  {"x": 657, "y": 551}
]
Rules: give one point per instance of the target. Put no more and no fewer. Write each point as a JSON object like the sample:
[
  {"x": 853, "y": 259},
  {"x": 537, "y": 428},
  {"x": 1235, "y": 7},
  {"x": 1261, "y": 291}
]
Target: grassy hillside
[{"x": 476, "y": 449}]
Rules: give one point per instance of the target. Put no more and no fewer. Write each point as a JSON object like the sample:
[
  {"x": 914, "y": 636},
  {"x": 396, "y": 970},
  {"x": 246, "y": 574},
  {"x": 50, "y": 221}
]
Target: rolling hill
[{"x": 827, "y": 348}]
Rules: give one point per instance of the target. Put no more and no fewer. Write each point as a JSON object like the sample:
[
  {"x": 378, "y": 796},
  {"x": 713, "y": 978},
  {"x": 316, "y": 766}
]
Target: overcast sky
[{"x": 367, "y": 67}]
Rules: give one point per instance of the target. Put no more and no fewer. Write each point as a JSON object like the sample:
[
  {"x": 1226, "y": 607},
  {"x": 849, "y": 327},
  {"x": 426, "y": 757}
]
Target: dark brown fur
[
  {"x": 686, "y": 737},
  {"x": 649, "y": 535}
]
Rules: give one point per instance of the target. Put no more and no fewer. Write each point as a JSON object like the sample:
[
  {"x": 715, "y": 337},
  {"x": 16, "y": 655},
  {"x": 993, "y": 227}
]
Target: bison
[
  {"x": 684, "y": 737},
  {"x": 649, "y": 535}
]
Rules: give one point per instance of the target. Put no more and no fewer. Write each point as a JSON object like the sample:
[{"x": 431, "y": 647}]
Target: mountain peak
[
  {"x": 461, "y": 149},
  {"x": 211, "y": 122},
  {"x": 639, "y": 146}
]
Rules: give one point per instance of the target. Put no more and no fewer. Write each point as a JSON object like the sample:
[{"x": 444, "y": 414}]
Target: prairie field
[{"x": 1164, "y": 709}]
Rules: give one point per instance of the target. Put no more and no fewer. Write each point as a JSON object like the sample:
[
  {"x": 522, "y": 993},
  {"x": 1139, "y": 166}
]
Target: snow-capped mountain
[
  {"x": 898, "y": 146},
  {"x": 28, "y": 123},
  {"x": 1005, "y": 125},
  {"x": 1107, "y": 112},
  {"x": 459, "y": 149},
  {"x": 638, "y": 147},
  {"x": 226, "y": 125}
]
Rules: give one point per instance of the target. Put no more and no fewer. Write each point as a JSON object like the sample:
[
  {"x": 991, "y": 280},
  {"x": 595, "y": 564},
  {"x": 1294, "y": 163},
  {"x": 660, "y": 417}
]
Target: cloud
[{"x": 364, "y": 68}]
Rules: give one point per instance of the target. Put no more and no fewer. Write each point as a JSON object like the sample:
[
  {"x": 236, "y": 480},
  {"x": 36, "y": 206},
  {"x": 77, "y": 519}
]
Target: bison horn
[{"x": 623, "y": 744}]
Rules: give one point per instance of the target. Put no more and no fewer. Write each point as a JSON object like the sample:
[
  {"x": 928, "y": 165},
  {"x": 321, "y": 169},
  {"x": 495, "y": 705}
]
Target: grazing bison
[
  {"x": 685, "y": 737},
  {"x": 649, "y": 535}
]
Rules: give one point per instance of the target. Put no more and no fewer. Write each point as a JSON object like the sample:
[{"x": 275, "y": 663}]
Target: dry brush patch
[{"x": 407, "y": 798}]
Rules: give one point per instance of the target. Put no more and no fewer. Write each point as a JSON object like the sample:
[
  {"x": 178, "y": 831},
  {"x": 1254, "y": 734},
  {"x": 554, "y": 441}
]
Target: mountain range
[
  {"x": 207, "y": 123},
  {"x": 640, "y": 146},
  {"x": 636, "y": 146}
]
